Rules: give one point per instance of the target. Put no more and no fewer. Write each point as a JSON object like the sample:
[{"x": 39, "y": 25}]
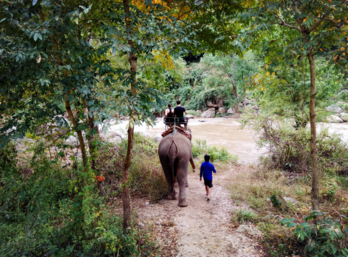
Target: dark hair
[
  {"x": 178, "y": 101},
  {"x": 169, "y": 105},
  {"x": 207, "y": 157}
]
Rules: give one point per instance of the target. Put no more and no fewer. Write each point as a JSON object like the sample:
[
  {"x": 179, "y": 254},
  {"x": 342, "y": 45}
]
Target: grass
[
  {"x": 200, "y": 148},
  {"x": 146, "y": 175},
  {"x": 244, "y": 216},
  {"x": 194, "y": 113},
  {"x": 256, "y": 187}
]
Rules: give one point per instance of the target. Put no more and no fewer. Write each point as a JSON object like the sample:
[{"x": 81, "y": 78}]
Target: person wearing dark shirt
[
  {"x": 207, "y": 170},
  {"x": 179, "y": 112},
  {"x": 169, "y": 114}
]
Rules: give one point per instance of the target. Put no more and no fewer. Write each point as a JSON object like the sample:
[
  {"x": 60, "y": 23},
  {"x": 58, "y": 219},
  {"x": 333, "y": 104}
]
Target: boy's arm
[
  {"x": 201, "y": 172},
  {"x": 213, "y": 168}
]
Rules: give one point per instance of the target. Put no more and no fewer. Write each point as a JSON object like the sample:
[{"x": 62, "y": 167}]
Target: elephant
[{"x": 175, "y": 153}]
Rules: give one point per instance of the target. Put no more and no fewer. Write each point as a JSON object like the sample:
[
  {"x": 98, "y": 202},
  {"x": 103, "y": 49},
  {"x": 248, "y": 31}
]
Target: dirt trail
[{"x": 203, "y": 228}]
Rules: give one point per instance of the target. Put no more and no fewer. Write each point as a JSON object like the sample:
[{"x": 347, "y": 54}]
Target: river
[{"x": 222, "y": 132}]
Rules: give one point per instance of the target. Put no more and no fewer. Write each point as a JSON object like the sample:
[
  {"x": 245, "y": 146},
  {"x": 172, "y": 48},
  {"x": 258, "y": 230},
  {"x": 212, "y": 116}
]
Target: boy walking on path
[{"x": 207, "y": 169}]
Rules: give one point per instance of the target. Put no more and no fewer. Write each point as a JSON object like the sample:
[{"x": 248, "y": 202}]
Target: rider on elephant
[{"x": 179, "y": 112}]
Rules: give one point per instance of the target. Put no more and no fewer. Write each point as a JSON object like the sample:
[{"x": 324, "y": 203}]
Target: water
[{"x": 224, "y": 132}]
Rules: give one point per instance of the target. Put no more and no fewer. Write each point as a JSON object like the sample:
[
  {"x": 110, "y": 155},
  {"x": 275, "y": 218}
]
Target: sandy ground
[{"x": 203, "y": 228}]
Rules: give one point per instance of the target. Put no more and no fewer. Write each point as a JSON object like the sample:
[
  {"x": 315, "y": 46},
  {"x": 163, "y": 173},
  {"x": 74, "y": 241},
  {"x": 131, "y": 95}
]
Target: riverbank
[{"x": 221, "y": 132}]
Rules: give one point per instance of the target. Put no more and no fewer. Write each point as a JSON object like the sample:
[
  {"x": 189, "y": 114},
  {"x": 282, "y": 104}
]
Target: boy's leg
[
  {"x": 206, "y": 189},
  {"x": 210, "y": 187},
  {"x": 208, "y": 192}
]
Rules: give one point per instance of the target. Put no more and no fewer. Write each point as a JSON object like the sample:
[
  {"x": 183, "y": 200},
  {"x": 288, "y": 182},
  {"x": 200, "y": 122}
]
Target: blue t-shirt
[{"x": 207, "y": 169}]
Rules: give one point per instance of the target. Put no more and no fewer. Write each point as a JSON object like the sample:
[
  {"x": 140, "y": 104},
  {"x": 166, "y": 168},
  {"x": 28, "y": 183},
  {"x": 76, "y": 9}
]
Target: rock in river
[
  {"x": 222, "y": 110},
  {"x": 210, "y": 113},
  {"x": 231, "y": 111},
  {"x": 344, "y": 116},
  {"x": 334, "y": 119},
  {"x": 334, "y": 108}
]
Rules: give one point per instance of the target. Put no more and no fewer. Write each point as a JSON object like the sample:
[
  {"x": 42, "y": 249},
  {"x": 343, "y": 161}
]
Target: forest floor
[{"x": 203, "y": 228}]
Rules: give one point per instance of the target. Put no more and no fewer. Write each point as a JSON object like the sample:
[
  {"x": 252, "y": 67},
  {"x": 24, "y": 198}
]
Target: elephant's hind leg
[
  {"x": 182, "y": 180},
  {"x": 169, "y": 177}
]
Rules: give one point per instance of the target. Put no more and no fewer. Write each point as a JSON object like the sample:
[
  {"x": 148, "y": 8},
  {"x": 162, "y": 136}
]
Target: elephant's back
[{"x": 182, "y": 143}]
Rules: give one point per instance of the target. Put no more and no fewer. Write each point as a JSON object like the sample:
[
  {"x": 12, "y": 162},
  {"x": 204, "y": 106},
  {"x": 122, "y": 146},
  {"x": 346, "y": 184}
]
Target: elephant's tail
[{"x": 173, "y": 152}]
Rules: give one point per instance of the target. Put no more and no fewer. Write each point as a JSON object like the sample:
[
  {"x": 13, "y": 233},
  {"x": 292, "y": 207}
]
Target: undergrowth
[
  {"x": 55, "y": 211},
  {"x": 288, "y": 147},
  {"x": 279, "y": 191},
  {"x": 200, "y": 147},
  {"x": 265, "y": 191},
  {"x": 194, "y": 113},
  {"x": 146, "y": 175}
]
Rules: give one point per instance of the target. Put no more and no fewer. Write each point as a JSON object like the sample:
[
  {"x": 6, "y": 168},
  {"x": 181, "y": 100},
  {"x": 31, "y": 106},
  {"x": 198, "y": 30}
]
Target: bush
[
  {"x": 288, "y": 147},
  {"x": 57, "y": 212},
  {"x": 343, "y": 95},
  {"x": 194, "y": 113},
  {"x": 243, "y": 216},
  {"x": 8, "y": 157},
  {"x": 325, "y": 237},
  {"x": 145, "y": 173},
  {"x": 200, "y": 147},
  {"x": 279, "y": 240}
]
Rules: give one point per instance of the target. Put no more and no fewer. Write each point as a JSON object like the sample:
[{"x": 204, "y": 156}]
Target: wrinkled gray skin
[{"x": 175, "y": 154}]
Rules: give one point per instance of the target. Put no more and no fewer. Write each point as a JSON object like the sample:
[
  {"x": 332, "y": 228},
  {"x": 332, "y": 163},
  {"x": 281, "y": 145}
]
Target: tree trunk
[
  {"x": 313, "y": 146},
  {"x": 101, "y": 189},
  {"x": 79, "y": 133},
  {"x": 133, "y": 69},
  {"x": 93, "y": 130},
  {"x": 125, "y": 175},
  {"x": 67, "y": 102},
  {"x": 236, "y": 107}
]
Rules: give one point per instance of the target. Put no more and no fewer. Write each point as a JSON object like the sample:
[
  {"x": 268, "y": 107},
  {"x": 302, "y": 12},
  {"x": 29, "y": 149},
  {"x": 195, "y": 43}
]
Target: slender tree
[{"x": 312, "y": 25}]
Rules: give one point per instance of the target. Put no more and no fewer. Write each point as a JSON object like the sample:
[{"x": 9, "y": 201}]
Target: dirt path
[{"x": 203, "y": 228}]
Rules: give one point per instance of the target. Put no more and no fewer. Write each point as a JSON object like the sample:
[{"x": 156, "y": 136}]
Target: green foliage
[
  {"x": 220, "y": 154},
  {"x": 279, "y": 241},
  {"x": 54, "y": 54},
  {"x": 278, "y": 201},
  {"x": 194, "y": 113},
  {"x": 324, "y": 237},
  {"x": 329, "y": 190},
  {"x": 214, "y": 78},
  {"x": 46, "y": 210},
  {"x": 289, "y": 149},
  {"x": 243, "y": 216},
  {"x": 285, "y": 34},
  {"x": 200, "y": 147},
  {"x": 145, "y": 174},
  {"x": 227, "y": 71},
  {"x": 8, "y": 157},
  {"x": 343, "y": 95},
  {"x": 275, "y": 200},
  {"x": 285, "y": 91}
]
